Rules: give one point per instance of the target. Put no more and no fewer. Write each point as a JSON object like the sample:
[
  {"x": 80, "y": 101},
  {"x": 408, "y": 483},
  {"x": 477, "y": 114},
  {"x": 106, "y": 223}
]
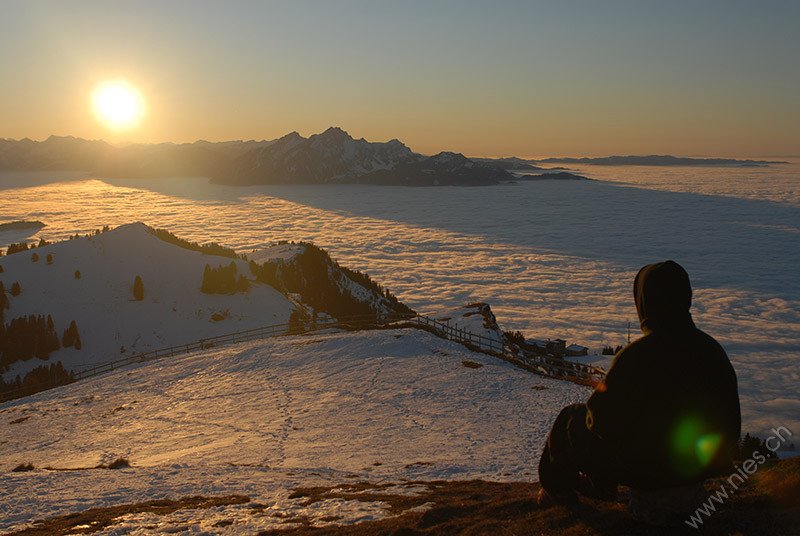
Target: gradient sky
[{"x": 482, "y": 78}]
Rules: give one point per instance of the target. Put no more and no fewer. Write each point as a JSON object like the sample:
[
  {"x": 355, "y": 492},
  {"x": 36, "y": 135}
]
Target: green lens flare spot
[
  {"x": 685, "y": 436},
  {"x": 693, "y": 446},
  {"x": 706, "y": 448}
]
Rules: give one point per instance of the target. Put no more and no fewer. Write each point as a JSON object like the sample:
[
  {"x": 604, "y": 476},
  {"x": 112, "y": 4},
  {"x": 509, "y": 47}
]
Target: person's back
[
  {"x": 667, "y": 413},
  {"x": 669, "y": 406}
]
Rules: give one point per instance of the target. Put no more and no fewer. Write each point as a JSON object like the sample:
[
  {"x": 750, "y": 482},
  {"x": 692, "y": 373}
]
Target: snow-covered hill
[
  {"x": 262, "y": 418},
  {"x": 113, "y": 324},
  {"x": 110, "y": 321}
]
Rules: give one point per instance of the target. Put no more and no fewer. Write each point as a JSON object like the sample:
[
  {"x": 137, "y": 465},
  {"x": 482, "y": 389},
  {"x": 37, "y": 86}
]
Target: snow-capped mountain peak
[{"x": 330, "y": 156}]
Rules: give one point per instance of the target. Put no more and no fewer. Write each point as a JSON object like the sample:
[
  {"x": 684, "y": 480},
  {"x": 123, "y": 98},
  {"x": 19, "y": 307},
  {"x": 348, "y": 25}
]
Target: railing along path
[{"x": 543, "y": 365}]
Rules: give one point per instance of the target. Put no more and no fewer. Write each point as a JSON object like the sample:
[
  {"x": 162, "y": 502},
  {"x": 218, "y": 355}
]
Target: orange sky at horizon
[{"x": 519, "y": 80}]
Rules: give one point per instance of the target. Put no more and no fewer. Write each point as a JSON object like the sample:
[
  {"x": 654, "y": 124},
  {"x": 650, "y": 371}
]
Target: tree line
[
  {"x": 38, "y": 379},
  {"x": 32, "y": 336},
  {"x": 223, "y": 280},
  {"x": 320, "y": 280},
  {"x": 211, "y": 248}
]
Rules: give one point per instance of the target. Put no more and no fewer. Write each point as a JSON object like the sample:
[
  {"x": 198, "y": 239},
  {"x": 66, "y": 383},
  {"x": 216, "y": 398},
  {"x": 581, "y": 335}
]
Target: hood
[{"x": 663, "y": 296}]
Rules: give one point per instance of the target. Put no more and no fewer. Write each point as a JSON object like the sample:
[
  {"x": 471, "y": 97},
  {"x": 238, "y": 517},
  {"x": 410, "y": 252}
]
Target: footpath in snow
[{"x": 262, "y": 418}]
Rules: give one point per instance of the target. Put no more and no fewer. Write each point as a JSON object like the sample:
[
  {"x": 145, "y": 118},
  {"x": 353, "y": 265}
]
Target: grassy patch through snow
[
  {"x": 97, "y": 519},
  {"x": 768, "y": 505}
]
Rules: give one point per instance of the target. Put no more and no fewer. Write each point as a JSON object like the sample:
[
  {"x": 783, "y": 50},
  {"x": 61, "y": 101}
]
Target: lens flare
[
  {"x": 694, "y": 446},
  {"x": 118, "y": 104}
]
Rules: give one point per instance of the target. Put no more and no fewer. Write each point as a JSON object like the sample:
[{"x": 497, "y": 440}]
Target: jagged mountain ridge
[
  {"x": 443, "y": 169},
  {"x": 332, "y": 156}
]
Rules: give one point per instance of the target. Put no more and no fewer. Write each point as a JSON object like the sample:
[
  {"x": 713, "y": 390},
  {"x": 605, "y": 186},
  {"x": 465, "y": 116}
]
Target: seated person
[{"x": 666, "y": 415}]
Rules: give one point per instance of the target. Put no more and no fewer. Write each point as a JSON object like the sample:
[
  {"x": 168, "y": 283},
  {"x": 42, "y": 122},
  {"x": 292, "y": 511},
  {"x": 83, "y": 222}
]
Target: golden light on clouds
[{"x": 118, "y": 104}]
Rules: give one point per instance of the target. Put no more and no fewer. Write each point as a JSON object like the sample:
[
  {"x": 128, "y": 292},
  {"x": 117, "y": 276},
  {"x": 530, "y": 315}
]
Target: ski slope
[{"x": 264, "y": 417}]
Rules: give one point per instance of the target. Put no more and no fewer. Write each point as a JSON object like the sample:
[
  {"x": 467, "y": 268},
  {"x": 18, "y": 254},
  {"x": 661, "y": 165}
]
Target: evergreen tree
[
  {"x": 70, "y": 335},
  {"x": 296, "y": 322},
  {"x": 49, "y": 258},
  {"x": 35, "y": 257},
  {"x": 242, "y": 284},
  {"x": 16, "y": 289},
  {"x": 40, "y": 378},
  {"x": 138, "y": 289},
  {"x": 77, "y": 274},
  {"x": 16, "y": 248},
  {"x": 223, "y": 280},
  {"x": 207, "y": 285},
  {"x": 26, "y": 337},
  {"x": 4, "y": 303}
]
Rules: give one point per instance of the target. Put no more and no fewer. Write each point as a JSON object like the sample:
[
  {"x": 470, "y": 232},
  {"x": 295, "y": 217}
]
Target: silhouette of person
[{"x": 667, "y": 413}]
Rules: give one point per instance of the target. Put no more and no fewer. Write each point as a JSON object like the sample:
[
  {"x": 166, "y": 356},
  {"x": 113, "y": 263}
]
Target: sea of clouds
[{"x": 553, "y": 258}]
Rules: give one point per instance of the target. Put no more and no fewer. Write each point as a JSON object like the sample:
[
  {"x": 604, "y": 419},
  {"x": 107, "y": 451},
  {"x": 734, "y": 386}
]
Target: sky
[{"x": 712, "y": 77}]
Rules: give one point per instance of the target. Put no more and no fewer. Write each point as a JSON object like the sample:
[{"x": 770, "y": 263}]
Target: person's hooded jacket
[{"x": 669, "y": 405}]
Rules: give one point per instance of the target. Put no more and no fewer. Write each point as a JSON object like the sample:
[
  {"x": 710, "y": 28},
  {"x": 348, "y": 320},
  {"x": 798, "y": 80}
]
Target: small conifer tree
[
  {"x": 77, "y": 274},
  {"x": 138, "y": 289},
  {"x": 16, "y": 289},
  {"x": 3, "y": 299},
  {"x": 35, "y": 257},
  {"x": 207, "y": 286},
  {"x": 242, "y": 284},
  {"x": 71, "y": 336},
  {"x": 296, "y": 322},
  {"x": 49, "y": 258}
]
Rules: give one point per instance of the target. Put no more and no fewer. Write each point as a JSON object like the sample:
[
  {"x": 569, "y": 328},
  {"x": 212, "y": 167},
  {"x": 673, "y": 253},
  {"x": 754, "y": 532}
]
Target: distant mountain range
[
  {"x": 335, "y": 157},
  {"x": 67, "y": 153},
  {"x": 659, "y": 160},
  {"x": 332, "y": 156}
]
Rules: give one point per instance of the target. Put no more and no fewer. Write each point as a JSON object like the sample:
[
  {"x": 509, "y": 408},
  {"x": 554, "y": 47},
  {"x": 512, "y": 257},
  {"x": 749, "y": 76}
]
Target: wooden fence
[
  {"x": 540, "y": 364},
  {"x": 548, "y": 366}
]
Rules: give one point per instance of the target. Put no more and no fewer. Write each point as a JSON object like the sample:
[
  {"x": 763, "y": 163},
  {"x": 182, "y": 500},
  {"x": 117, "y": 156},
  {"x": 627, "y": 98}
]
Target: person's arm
[{"x": 610, "y": 404}]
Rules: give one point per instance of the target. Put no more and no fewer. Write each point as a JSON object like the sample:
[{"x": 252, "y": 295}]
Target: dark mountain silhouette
[
  {"x": 659, "y": 160},
  {"x": 67, "y": 153},
  {"x": 557, "y": 176},
  {"x": 57, "y": 153},
  {"x": 510, "y": 163},
  {"x": 443, "y": 169},
  {"x": 332, "y": 156}
]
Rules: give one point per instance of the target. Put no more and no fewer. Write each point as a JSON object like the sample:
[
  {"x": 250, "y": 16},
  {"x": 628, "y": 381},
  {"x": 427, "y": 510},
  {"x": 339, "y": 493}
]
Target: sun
[{"x": 118, "y": 104}]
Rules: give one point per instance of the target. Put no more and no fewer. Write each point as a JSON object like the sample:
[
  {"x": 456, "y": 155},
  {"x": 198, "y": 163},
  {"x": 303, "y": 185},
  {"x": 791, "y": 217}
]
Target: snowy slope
[
  {"x": 278, "y": 252},
  {"x": 173, "y": 311},
  {"x": 263, "y": 417},
  {"x": 476, "y": 318}
]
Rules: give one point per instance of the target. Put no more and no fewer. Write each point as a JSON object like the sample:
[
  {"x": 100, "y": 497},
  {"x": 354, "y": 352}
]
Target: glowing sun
[{"x": 118, "y": 104}]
